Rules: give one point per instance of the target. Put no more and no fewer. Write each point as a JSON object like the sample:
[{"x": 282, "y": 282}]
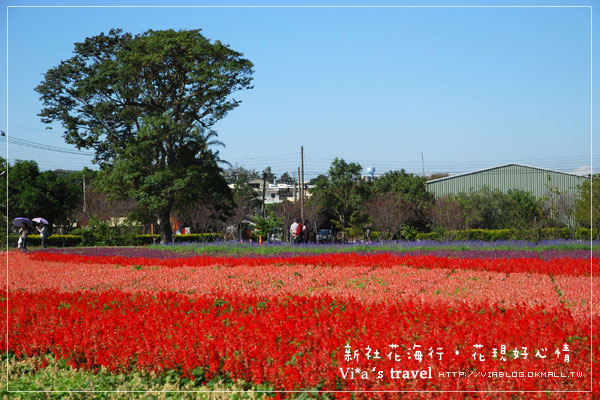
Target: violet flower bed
[
  {"x": 484, "y": 254},
  {"x": 125, "y": 252}
]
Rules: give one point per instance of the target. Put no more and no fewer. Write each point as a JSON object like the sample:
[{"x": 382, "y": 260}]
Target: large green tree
[
  {"x": 409, "y": 187},
  {"x": 411, "y": 196},
  {"x": 145, "y": 104},
  {"x": 341, "y": 194}
]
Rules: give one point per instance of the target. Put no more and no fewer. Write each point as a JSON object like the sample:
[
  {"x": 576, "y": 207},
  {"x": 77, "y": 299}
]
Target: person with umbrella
[
  {"x": 42, "y": 228},
  {"x": 23, "y": 231}
]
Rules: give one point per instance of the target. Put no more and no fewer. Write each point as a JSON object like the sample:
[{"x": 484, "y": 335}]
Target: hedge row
[
  {"x": 135, "y": 240},
  {"x": 52, "y": 241},
  {"x": 586, "y": 234},
  {"x": 507, "y": 234}
]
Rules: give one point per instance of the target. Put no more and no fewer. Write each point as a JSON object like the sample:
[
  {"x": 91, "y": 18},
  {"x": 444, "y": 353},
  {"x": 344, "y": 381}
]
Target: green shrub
[
  {"x": 63, "y": 241},
  {"x": 408, "y": 232},
  {"x": 110, "y": 240},
  {"x": 375, "y": 236},
  {"x": 99, "y": 233},
  {"x": 142, "y": 240},
  {"x": 501, "y": 234},
  {"x": 429, "y": 236},
  {"x": 585, "y": 234},
  {"x": 199, "y": 237},
  {"x": 479, "y": 234}
]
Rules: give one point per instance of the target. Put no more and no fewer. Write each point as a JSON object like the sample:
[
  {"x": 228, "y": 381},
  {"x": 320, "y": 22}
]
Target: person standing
[
  {"x": 43, "y": 230},
  {"x": 293, "y": 229},
  {"x": 24, "y": 233}
]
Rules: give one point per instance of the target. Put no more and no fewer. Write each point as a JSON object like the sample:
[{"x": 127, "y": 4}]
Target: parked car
[
  {"x": 275, "y": 238},
  {"x": 324, "y": 236}
]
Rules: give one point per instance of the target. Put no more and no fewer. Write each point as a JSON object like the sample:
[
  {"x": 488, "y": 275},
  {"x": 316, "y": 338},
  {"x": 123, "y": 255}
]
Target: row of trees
[
  {"x": 54, "y": 195},
  {"x": 395, "y": 205},
  {"x": 58, "y": 196}
]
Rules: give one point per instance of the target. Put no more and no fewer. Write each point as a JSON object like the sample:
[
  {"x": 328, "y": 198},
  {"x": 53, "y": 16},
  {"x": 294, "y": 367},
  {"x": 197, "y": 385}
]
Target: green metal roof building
[{"x": 537, "y": 181}]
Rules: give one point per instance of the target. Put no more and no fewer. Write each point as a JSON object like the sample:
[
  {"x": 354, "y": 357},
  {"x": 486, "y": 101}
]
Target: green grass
[
  {"x": 60, "y": 381},
  {"x": 240, "y": 249}
]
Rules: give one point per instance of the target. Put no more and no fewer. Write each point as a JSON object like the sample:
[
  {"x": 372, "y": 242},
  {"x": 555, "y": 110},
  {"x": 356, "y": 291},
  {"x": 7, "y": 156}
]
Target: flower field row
[
  {"x": 165, "y": 253},
  {"x": 568, "y": 266},
  {"x": 365, "y": 284},
  {"x": 300, "y": 342}
]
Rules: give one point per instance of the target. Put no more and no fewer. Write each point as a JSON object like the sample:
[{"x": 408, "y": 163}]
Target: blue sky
[{"x": 468, "y": 87}]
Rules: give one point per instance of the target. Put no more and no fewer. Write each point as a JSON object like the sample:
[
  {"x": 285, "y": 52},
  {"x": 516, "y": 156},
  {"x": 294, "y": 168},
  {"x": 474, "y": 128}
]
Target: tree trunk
[{"x": 166, "y": 233}]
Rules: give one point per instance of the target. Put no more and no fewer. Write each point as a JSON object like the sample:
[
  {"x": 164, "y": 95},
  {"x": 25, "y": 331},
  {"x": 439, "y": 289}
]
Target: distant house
[
  {"x": 276, "y": 193},
  {"x": 537, "y": 181},
  {"x": 256, "y": 184}
]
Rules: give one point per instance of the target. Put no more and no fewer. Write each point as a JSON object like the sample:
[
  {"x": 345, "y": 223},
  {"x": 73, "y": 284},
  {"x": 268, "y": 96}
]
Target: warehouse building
[{"x": 537, "y": 181}]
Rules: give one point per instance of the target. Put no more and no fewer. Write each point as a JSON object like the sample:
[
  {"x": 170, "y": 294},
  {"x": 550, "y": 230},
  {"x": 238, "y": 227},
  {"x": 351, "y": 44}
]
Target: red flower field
[{"x": 336, "y": 322}]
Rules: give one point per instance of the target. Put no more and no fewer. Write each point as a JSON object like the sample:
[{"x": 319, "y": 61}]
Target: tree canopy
[
  {"x": 407, "y": 186},
  {"x": 146, "y": 105},
  {"x": 286, "y": 178},
  {"x": 341, "y": 194}
]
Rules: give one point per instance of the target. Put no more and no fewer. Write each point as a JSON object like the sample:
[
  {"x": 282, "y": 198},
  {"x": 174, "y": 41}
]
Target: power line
[{"x": 46, "y": 147}]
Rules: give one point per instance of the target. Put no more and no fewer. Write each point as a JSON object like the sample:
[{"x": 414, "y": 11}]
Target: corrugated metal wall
[{"x": 534, "y": 180}]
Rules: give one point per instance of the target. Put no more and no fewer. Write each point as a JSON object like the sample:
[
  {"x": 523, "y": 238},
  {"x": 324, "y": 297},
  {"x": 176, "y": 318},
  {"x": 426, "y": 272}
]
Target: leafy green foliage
[
  {"x": 407, "y": 186},
  {"x": 409, "y": 232},
  {"x": 585, "y": 234},
  {"x": 285, "y": 178},
  {"x": 342, "y": 193},
  {"x": 499, "y": 234},
  {"x": 113, "y": 239},
  {"x": 27, "y": 375},
  {"x": 145, "y": 104},
  {"x": 268, "y": 225},
  {"x": 488, "y": 209},
  {"x": 587, "y": 207},
  {"x": 355, "y": 227},
  {"x": 52, "y": 241},
  {"x": 269, "y": 175},
  {"x": 398, "y": 198},
  {"x": 98, "y": 233},
  {"x": 53, "y": 195}
]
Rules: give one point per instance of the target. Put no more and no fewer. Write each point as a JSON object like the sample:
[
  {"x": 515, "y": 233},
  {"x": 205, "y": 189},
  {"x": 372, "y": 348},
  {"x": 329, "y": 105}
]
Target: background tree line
[{"x": 395, "y": 205}]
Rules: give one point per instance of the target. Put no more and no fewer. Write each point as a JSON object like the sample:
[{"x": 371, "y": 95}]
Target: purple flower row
[
  {"x": 125, "y": 252},
  {"x": 487, "y": 254}
]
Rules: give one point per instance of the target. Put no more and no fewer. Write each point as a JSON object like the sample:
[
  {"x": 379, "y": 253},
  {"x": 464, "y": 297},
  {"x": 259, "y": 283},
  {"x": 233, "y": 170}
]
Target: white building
[{"x": 277, "y": 193}]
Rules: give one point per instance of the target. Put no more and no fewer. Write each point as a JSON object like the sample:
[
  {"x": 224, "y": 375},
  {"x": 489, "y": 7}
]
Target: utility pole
[
  {"x": 84, "y": 203},
  {"x": 264, "y": 188},
  {"x": 423, "y": 163},
  {"x": 294, "y": 187},
  {"x": 302, "y": 184},
  {"x": 300, "y": 194}
]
